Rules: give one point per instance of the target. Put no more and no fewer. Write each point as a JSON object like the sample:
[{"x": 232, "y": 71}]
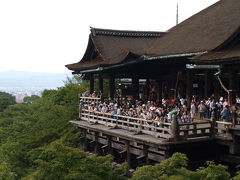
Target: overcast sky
[{"x": 44, "y": 35}]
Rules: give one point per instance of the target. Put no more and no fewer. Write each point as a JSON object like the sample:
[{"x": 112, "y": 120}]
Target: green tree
[
  {"x": 30, "y": 99},
  {"x": 174, "y": 168},
  {"x": 5, "y": 172},
  {"x": 6, "y": 100}
]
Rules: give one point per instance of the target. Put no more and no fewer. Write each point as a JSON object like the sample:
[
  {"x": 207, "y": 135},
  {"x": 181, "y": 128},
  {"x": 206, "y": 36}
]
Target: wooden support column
[
  {"x": 147, "y": 88},
  {"x": 232, "y": 87},
  {"x": 145, "y": 153},
  {"x": 189, "y": 87},
  {"x": 84, "y": 140},
  {"x": 135, "y": 85},
  {"x": 207, "y": 79},
  {"x": 160, "y": 96},
  {"x": 97, "y": 145},
  {"x": 216, "y": 90},
  {"x": 100, "y": 83},
  {"x": 111, "y": 86},
  {"x": 128, "y": 155},
  {"x": 110, "y": 149},
  {"x": 173, "y": 84},
  {"x": 91, "y": 83}
]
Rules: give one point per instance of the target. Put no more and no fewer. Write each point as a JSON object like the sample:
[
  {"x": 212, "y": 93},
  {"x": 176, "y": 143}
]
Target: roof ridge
[{"x": 125, "y": 33}]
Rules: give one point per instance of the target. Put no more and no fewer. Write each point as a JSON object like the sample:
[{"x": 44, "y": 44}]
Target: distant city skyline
[{"x": 44, "y": 36}]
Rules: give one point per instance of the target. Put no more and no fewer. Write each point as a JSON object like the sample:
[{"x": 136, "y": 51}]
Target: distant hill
[{"x": 22, "y": 79}]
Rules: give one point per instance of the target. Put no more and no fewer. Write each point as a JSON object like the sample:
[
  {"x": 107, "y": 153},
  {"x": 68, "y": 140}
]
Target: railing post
[
  {"x": 213, "y": 126},
  {"x": 80, "y": 108},
  {"x": 139, "y": 126},
  {"x": 195, "y": 129},
  {"x": 155, "y": 128}
]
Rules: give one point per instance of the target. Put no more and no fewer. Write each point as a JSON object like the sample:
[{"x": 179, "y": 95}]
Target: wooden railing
[
  {"x": 221, "y": 127},
  {"x": 137, "y": 125},
  {"x": 173, "y": 130},
  {"x": 195, "y": 129},
  {"x": 89, "y": 100}
]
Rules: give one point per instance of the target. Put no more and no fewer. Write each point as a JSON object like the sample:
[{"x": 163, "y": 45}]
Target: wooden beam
[
  {"x": 110, "y": 149},
  {"x": 145, "y": 154},
  {"x": 232, "y": 87},
  {"x": 216, "y": 90},
  {"x": 111, "y": 86},
  {"x": 91, "y": 89},
  {"x": 128, "y": 154},
  {"x": 147, "y": 88},
  {"x": 84, "y": 140},
  {"x": 207, "y": 79},
  {"x": 100, "y": 83},
  {"x": 135, "y": 85},
  {"x": 97, "y": 145},
  {"x": 189, "y": 87},
  {"x": 160, "y": 96}
]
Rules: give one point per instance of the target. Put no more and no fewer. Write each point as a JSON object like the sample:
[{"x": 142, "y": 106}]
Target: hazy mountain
[{"x": 24, "y": 79}]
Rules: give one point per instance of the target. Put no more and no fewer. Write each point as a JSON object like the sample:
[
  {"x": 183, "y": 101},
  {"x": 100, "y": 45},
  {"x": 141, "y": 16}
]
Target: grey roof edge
[
  {"x": 144, "y": 57},
  {"x": 126, "y": 33}
]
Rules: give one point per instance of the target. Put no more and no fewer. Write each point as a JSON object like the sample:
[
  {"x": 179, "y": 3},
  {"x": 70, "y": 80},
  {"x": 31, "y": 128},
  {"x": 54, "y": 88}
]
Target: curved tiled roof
[
  {"x": 205, "y": 31},
  {"x": 212, "y": 29},
  {"x": 228, "y": 54},
  {"x": 114, "y": 46}
]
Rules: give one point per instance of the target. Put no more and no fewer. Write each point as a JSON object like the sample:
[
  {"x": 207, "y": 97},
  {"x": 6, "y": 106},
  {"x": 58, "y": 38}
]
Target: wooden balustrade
[
  {"x": 221, "y": 127},
  {"x": 174, "y": 130},
  {"x": 137, "y": 125},
  {"x": 88, "y": 100},
  {"x": 195, "y": 129}
]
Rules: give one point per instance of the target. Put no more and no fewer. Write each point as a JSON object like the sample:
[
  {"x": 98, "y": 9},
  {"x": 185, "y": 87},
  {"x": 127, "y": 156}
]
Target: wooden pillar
[
  {"x": 207, "y": 79},
  {"x": 100, "y": 83},
  {"x": 145, "y": 153},
  {"x": 173, "y": 84},
  {"x": 85, "y": 141},
  {"x": 128, "y": 155},
  {"x": 96, "y": 147},
  {"x": 216, "y": 90},
  {"x": 135, "y": 85},
  {"x": 111, "y": 86},
  {"x": 160, "y": 96},
  {"x": 147, "y": 88},
  {"x": 91, "y": 83},
  {"x": 110, "y": 149},
  {"x": 232, "y": 87},
  {"x": 189, "y": 87}
]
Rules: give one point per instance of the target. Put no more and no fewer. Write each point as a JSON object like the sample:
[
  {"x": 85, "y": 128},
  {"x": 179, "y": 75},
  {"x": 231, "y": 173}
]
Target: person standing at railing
[
  {"x": 201, "y": 109},
  {"x": 185, "y": 119},
  {"x": 225, "y": 114},
  {"x": 193, "y": 110}
]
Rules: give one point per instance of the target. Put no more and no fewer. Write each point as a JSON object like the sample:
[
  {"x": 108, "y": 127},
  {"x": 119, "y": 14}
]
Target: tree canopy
[{"x": 6, "y": 100}]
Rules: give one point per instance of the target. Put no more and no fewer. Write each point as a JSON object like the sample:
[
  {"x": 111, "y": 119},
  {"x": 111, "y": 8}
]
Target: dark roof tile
[{"x": 204, "y": 31}]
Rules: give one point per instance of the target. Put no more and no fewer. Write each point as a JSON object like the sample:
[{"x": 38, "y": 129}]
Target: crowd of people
[{"x": 163, "y": 111}]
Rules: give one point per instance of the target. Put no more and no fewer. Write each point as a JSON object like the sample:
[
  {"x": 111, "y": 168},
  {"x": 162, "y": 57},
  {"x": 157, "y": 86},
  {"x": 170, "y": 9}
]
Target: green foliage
[
  {"x": 174, "y": 168},
  {"x": 237, "y": 177},
  {"x": 30, "y": 99},
  {"x": 6, "y": 100},
  {"x": 213, "y": 172},
  {"x": 6, "y": 173},
  {"x": 38, "y": 142}
]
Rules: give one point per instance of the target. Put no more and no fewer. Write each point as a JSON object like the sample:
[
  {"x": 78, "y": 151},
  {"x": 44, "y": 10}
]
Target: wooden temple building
[{"x": 199, "y": 57}]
